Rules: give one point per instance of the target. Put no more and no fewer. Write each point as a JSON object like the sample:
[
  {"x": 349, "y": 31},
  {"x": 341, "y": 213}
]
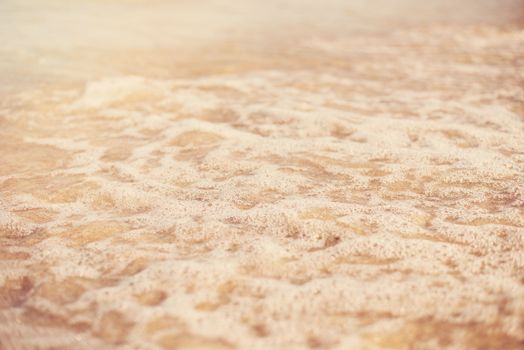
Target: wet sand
[{"x": 262, "y": 175}]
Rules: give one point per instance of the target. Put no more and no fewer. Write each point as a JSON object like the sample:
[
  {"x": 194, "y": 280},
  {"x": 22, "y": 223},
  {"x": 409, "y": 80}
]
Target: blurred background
[{"x": 52, "y": 40}]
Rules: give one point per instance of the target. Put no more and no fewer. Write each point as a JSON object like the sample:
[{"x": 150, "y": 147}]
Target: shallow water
[{"x": 254, "y": 175}]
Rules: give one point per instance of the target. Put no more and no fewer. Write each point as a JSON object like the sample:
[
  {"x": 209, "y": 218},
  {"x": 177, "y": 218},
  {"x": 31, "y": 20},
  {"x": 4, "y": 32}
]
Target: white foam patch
[{"x": 363, "y": 191}]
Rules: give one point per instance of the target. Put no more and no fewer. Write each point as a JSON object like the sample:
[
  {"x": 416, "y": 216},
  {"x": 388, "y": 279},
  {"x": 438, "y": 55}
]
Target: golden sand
[{"x": 262, "y": 175}]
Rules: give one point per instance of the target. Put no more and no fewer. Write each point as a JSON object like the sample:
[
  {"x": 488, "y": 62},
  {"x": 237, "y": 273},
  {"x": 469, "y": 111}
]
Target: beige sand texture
[{"x": 262, "y": 174}]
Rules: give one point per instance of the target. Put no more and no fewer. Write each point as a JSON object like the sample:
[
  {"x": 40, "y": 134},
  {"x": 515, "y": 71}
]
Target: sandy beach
[{"x": 262, "y": 174}]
